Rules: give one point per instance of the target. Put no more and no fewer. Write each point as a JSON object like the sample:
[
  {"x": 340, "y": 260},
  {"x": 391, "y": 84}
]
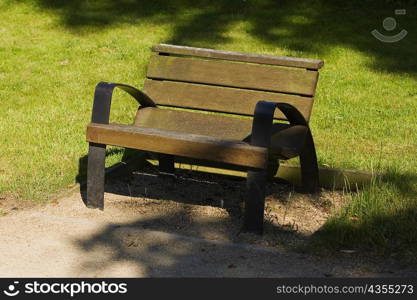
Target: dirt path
[{"x": 153, "y": 227}]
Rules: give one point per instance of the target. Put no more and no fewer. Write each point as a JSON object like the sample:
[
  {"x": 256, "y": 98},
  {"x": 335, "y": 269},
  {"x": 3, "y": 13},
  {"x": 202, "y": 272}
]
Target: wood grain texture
[
  {"x": 232, "y": 74},
  {"x": 238, "y": 56},
  {"x": 178, "y": 143},
  {"x": 221, "y": 127},
  {"x": 286, "y": 140},
  {"x": 220, "y": 99}
]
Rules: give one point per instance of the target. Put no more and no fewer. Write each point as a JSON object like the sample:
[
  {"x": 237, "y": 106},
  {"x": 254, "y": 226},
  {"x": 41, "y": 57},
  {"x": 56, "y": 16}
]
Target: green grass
[
  {"x": 52, "y": 54},
  {"x": 379, "y": 219}
]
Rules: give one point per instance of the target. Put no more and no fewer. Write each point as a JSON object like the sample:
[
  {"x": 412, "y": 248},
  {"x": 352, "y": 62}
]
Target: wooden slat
[
  {"x": 221, "y": 127},
  {"x": 232, "y": 74},
  {"x": 286, "y": 140},
  {"x": 220, "y": 99},
  {"x": 329, "y": 178},
  {"x": 177, "y": 143},
  {"x": 238, "y": 56}
]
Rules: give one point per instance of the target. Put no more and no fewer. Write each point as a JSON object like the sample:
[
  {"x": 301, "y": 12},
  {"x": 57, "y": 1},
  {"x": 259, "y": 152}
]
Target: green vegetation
[
  {"x": 53, "y": 52},
  {"x": 379, "y": 219}
]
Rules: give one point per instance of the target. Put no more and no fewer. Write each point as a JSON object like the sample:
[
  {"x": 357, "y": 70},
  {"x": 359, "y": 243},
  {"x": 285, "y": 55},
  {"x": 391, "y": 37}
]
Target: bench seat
[
  {"x": 178, "y": 143},
  {"x": 286, "y": 140}
]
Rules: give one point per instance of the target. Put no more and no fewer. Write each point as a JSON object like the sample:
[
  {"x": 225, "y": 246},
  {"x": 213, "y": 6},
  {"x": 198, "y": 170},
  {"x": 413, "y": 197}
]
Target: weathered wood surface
[
  {"x": 217, "y": 126},
  {"x": 178, "y": 143},
  {"x": 232, "y": 74},
  {"x": 238, "y": 56},
  {"x": 220, "y": 99},
  {"x": 286, "y": 141}
]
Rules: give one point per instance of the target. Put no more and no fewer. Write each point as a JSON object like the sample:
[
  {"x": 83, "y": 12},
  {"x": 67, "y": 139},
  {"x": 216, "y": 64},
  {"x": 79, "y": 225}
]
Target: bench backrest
[{"x": 229, "y": 82}]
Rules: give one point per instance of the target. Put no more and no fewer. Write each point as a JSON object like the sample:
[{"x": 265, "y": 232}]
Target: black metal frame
[
  {"x": 97, "y": 152},
  {"x": 256, "y": 179}
]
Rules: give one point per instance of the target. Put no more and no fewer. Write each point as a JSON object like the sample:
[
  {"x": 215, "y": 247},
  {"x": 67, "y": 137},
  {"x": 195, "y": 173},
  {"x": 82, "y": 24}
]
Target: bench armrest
[
  {"x": 263, "y": 118},
  {"x": 103, "y": 96}
]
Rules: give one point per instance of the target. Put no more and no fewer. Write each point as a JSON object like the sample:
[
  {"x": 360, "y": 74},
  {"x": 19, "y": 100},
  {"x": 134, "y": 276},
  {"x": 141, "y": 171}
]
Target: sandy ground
[{"x": 183, "y": 227}]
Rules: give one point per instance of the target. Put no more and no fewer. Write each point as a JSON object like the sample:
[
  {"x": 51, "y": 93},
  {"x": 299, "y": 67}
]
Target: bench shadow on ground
[
  {"x": 298, "y": 26},
  {"x": 136, "y": 178},
  {"x": 190, "y": 205},
  {"x": 209, "y": 206}
]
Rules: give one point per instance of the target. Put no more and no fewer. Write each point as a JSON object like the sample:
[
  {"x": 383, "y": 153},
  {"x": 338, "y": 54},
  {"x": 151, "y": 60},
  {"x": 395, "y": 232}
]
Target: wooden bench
[{"x": 215, "y": 106}]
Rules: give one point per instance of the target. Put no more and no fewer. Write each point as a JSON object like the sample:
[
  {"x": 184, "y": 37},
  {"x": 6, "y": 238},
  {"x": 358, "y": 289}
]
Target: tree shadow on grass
[
  {"x": 381, "y": 219},
  {"x": 302, "y": 28}
]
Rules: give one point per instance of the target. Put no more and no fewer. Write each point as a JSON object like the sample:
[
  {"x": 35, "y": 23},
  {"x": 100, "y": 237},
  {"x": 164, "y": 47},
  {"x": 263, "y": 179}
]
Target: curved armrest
[
  {"x": 263, "y": 118},
  {"x": 103, "y": 96}
]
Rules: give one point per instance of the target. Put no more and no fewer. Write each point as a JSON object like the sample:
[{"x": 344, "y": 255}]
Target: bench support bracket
[
  {"x": 95, "y": 175},
  {"x": 166, "y": 163},
  {"x": 255, "y": 201},
  {"x": 256, "y": 180},
  {"x": 97, "y": 152}
]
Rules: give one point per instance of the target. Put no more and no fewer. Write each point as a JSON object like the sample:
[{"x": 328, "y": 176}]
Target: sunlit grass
[
  {"x": 53, "y": 53},
  {"x": 379, "y": 219}
]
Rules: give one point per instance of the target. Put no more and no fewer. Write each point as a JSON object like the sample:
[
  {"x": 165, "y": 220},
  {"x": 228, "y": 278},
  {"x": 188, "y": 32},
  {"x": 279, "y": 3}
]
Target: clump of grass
[{"x": 2, "y": 213}]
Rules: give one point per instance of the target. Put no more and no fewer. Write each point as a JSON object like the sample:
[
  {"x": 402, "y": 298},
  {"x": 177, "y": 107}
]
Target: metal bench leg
[
  {"x": 272, "y": 169},
  {"x": 255, "y": 201},
  {"x": 166, "y": 163},
  {"x": 309, "y": 167},
  {"x": 95, "y": 175}
]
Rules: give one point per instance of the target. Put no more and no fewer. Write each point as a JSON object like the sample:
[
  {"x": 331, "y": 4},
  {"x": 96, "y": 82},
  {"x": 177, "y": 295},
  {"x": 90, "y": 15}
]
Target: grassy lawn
[{"x": 52, "y": 54}]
